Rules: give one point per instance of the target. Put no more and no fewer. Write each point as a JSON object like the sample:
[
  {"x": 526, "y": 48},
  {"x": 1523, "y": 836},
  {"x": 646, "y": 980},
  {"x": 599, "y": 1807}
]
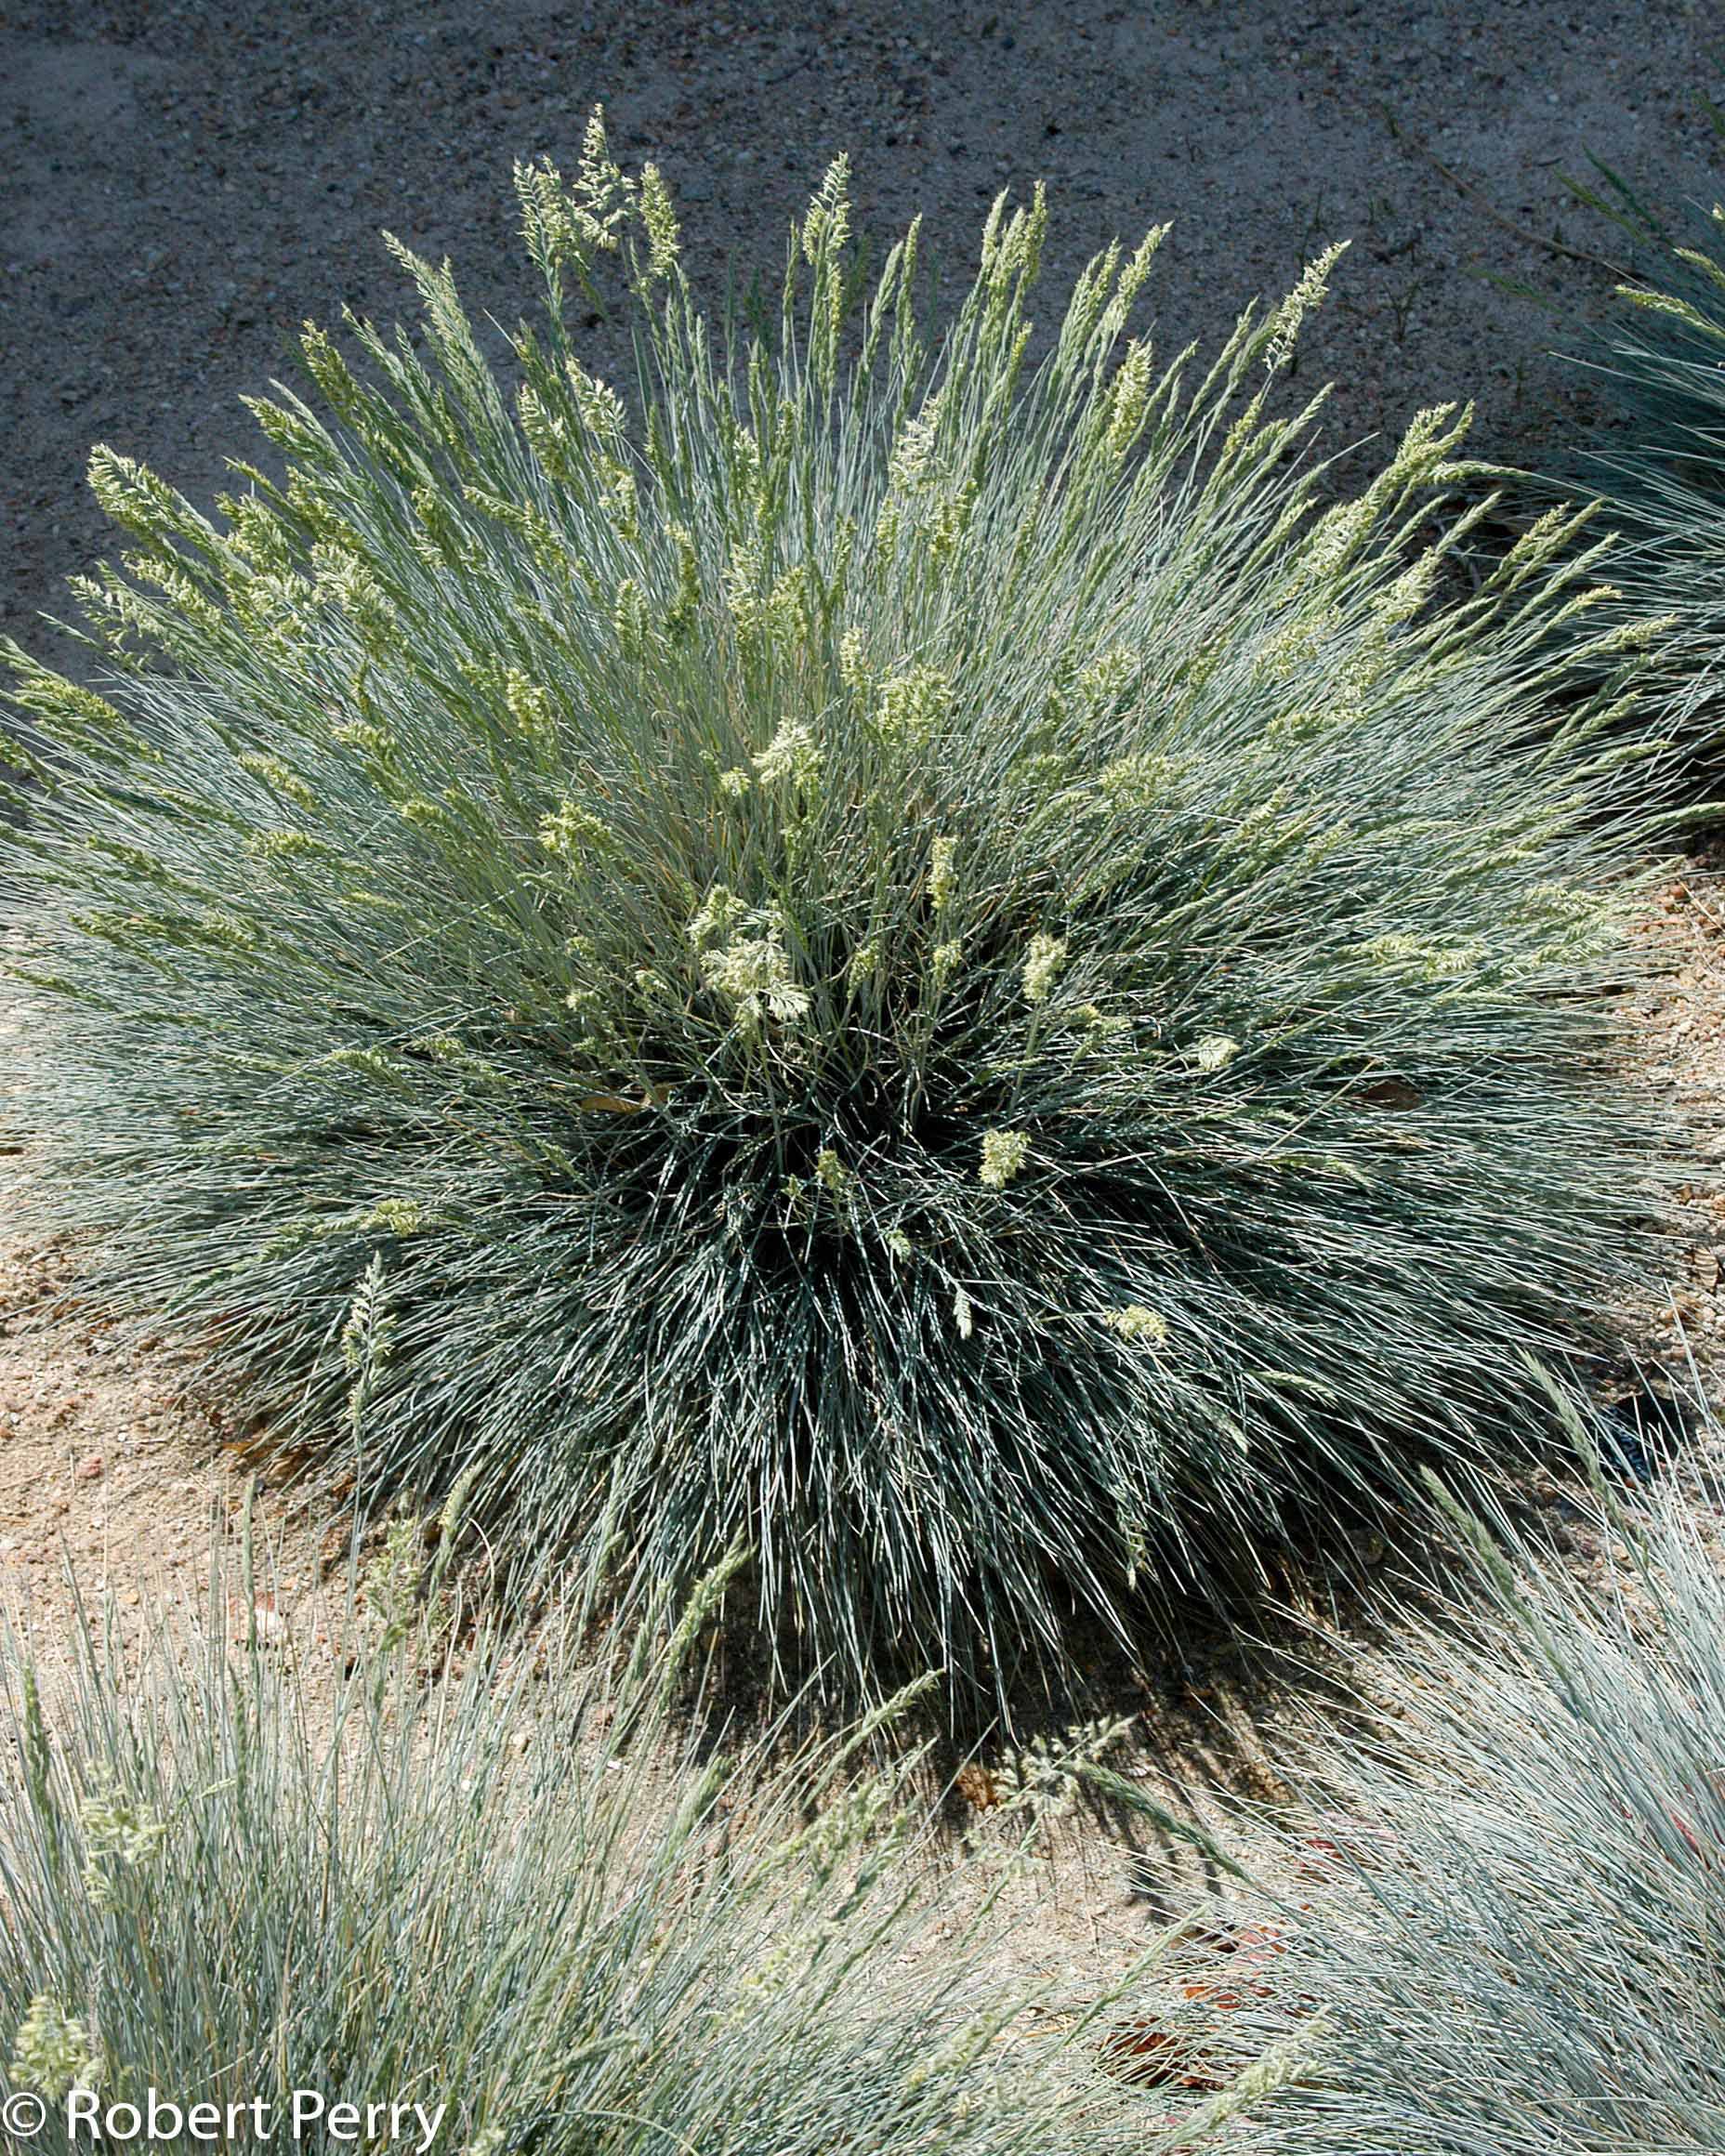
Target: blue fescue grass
[
  {"x": 1660, "y": 465},
  {"x": 514, "y": 1888},
  {"x": 1501, "y": 1915},
  {"x": 903, "y": 952}
]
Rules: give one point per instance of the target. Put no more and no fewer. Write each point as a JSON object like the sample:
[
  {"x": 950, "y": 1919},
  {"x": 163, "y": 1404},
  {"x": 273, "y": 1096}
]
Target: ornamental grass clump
[
  {"x": 1661, "y": 470},
  {"x": 526, "y": 1907},
  {"x": 1506, "y": 1918},
  {"x": 885, "y": 946}
]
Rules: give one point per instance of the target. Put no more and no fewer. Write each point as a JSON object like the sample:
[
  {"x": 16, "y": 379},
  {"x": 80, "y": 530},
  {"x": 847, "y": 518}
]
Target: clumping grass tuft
[
  {"x": 1504, "y": 1930},
  {"x": 527, "y": 1899},
  {"x": 1661, "y": 470},
  {"x": 888, "y": 947}
]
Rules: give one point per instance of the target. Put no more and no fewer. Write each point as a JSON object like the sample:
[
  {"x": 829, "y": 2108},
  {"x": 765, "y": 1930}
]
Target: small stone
[
  {"x": 977, "y": 1786},
  {"x": 91, "y": 1470}
]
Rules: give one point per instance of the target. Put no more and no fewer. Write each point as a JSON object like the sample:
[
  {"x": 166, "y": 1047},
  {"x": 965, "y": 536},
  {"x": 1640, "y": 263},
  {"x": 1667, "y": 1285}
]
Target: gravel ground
[{"x": 183, "y": 184}]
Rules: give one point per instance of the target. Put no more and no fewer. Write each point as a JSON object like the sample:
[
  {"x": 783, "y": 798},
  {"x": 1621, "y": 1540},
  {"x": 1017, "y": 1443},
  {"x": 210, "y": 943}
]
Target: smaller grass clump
[
  {"x": 530, "y": 1901},
  {"x": 1661, "y": 470},
  {"x": 888, "y": 947},
  {"x": 1504, "y": 1918}
]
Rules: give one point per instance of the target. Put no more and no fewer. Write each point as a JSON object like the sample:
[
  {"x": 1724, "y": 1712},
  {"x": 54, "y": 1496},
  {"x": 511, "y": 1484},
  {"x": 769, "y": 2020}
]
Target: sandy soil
[{"x": 116, "y": 1473}]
